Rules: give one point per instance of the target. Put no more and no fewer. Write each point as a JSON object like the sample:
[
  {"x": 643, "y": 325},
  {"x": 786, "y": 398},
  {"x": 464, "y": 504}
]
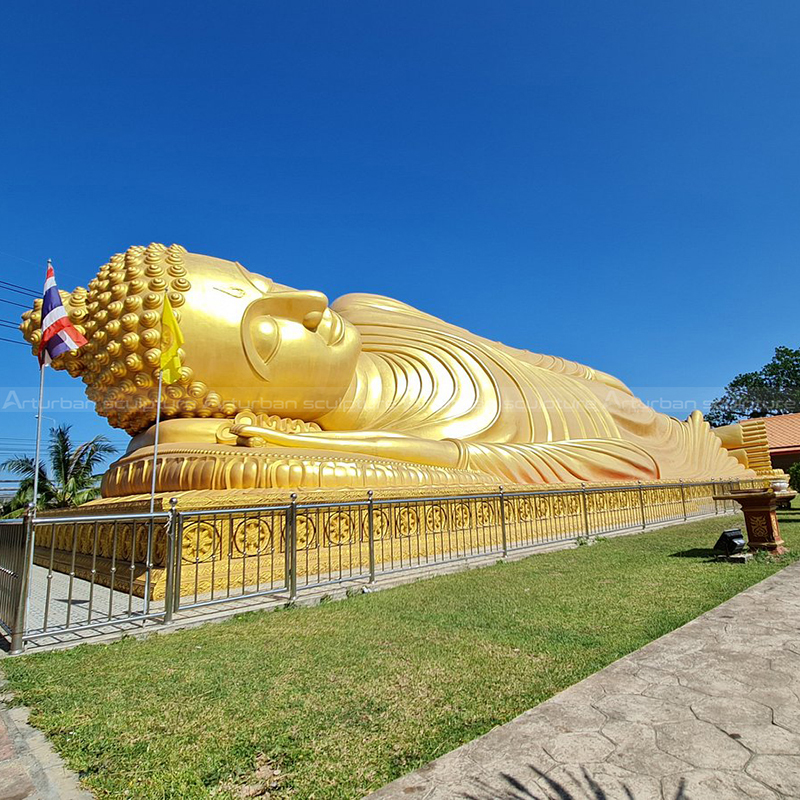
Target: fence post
[
  {"x": 371, "y": 535},
  {"x": 713, "y": 492},
  {"x": 148, "y": 568},
  {"x": 683, "y": 501},
  {"x": 21, "y": 616},
  {"x": 503, "y": 521},
  {"x": 641, "y": 505},
  {"x": 291, "y": 548},
  {"x": 287, "y": 544},
  {"x": 585, "y": 510},
  {"x": 171, "y": 566}
]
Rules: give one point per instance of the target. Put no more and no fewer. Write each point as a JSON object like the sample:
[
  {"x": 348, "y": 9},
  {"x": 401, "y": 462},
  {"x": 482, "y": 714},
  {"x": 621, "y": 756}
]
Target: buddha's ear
[{"x": 260, "y": 335}]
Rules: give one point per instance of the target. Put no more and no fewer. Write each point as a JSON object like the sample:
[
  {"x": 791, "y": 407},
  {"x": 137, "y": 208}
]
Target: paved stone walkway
[
  {"x": 710, "y": 711},
  {"x": 29, "y": 767},
  {"x": 72, "y": 601}
]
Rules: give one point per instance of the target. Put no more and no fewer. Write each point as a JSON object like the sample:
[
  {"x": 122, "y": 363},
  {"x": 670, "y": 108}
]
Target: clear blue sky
[{"x": 617, "y": 183}]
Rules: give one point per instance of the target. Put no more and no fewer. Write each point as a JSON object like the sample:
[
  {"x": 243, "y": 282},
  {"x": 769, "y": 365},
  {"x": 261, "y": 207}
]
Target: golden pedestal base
[
  {"x": 234, "y": 541},
  {"x": 221, "y": 468}
]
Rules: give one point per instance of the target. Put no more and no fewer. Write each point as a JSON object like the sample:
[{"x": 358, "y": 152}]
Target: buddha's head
[{"x": 249, "y": 343}]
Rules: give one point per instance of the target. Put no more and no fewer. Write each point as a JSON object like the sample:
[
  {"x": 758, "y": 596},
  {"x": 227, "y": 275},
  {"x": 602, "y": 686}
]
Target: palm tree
[{"x": 71, "y": 480}]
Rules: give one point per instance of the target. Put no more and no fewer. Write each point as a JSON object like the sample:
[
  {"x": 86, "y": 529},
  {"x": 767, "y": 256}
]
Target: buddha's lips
[{"x": 331, "y": 328}]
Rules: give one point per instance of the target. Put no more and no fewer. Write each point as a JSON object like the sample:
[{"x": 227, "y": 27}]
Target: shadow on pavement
[{"x": 589, "y": 789}]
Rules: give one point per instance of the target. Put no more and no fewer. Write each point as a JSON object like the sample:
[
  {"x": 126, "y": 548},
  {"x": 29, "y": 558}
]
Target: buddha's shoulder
[{"x": 359, "y": 306}]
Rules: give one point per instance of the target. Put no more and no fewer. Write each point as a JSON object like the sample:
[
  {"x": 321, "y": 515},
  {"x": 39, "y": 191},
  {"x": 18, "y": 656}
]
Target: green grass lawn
[{"x": 336, "y": 700}]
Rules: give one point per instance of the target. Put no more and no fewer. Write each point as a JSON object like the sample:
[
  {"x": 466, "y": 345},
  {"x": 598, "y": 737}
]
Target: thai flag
[{"x": 58, "y": 333}]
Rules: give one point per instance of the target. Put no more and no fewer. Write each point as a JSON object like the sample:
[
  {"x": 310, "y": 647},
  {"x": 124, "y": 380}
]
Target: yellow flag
[{"x": 171, "y": 340}]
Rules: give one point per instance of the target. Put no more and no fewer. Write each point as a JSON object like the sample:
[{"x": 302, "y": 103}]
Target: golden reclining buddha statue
[{"x": 281, "y": 390}]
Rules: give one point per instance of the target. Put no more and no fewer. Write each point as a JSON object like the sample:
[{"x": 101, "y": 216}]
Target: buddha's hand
[{"x": 378, "y": 444}]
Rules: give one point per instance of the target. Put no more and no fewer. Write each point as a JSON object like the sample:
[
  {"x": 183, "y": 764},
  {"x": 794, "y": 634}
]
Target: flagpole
[
  {"x": 35, "y": 500},
  {"x": 38, "y": 438},
  {"x": 155, "y": 444},
  {"x": 36, "y": 459}
]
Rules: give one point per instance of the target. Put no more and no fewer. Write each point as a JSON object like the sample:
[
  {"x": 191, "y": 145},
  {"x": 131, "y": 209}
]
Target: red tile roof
[{"x": 783, "y": 433}]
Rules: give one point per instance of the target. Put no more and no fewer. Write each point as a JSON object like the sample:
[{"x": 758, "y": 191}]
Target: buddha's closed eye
[{"x": 233, "y": 291}]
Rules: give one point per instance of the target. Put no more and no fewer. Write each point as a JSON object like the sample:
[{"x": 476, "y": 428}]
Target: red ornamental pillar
[{"x": 758, "y": 506}]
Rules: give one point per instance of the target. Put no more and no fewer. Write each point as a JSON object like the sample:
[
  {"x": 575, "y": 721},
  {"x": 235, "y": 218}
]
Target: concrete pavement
[
  {"x": 710, "y": 711},
  {"x": 29, "y": 767}
]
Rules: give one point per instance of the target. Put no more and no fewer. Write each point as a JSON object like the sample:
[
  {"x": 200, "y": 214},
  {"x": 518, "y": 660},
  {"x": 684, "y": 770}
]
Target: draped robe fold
[{"x": 515, "y": 415}]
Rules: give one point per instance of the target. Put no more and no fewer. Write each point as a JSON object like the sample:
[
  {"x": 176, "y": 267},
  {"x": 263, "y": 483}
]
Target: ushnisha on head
[{"x": 250, "y": 344}]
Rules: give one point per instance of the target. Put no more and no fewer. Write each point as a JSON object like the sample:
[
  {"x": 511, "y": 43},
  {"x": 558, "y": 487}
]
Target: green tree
[
  {"x": 773, "y": 390},
  {"x": 71, "y": 479},
  {"x": 794, "y": 476}
]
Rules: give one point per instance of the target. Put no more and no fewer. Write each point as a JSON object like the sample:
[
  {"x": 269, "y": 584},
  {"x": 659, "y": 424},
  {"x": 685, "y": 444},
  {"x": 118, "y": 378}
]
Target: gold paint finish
[{"x": 280, "y": 389}]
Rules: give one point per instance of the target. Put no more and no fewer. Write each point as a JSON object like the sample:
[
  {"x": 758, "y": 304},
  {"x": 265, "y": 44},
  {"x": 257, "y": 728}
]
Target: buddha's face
[
  {"x": 290, "y": 354},
  {"x": 249, "y": 343},
  {"x": 296, "y": 342}
]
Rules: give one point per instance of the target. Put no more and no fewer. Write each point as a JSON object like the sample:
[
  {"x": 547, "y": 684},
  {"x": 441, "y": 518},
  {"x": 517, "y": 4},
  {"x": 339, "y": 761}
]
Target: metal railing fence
[
  {"x": 98, "y": 570},
  {"x": 13, "y": 557},
  {"x": 228, "y": 554},
  {"x": 67, "y": 574}
]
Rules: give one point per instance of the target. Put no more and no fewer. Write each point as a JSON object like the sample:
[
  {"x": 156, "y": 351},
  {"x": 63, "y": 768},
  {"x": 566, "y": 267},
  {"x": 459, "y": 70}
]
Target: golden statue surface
[{"x": 280, "y": 389}]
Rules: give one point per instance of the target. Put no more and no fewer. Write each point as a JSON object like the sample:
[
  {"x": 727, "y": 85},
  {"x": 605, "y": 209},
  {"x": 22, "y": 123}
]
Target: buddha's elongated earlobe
[{"x": 260, "y": 336}]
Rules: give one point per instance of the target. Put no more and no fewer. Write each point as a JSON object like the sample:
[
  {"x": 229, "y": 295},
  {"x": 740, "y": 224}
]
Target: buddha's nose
[
  {"x": 312, "y": 320},
  {"x": 306, "y": 306},
  {"x": 317, "y": 303}
]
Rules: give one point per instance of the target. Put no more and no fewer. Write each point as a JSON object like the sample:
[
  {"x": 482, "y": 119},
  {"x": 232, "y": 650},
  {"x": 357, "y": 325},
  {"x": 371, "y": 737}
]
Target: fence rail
[
  {"x": 65, "y": 574},
  {"x": 13, "y": 557}
]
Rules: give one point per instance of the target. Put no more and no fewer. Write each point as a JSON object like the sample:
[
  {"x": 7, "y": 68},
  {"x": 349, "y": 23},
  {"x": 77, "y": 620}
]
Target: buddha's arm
[
  {"x": 588, "y": 459},
  {"x": 378, "y": 444}
]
